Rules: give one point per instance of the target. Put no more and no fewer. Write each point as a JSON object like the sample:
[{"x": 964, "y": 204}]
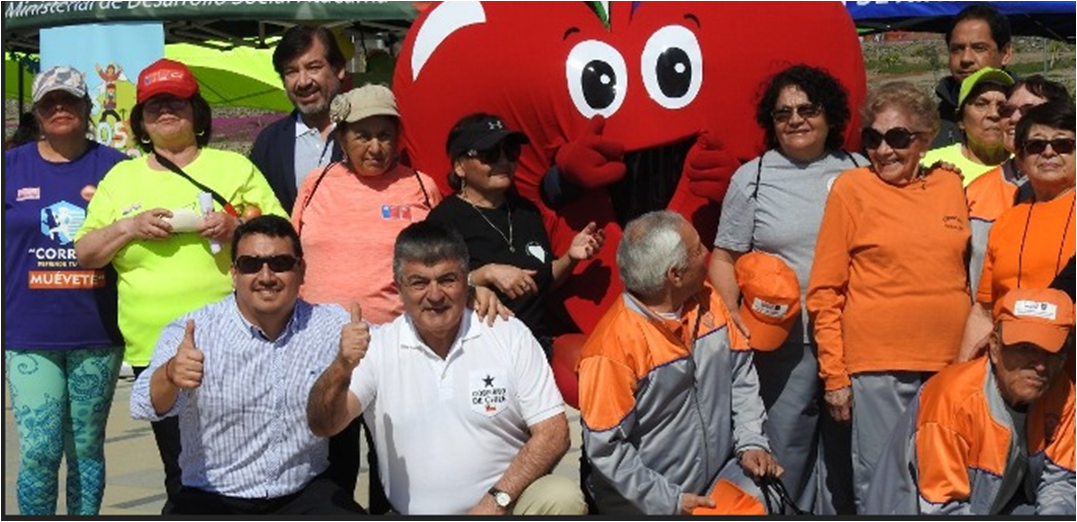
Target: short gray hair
[
  {"x": 650, "y": 246},
  {"x": 428, "y": 243},
  {"x": 904, "y": 97}
]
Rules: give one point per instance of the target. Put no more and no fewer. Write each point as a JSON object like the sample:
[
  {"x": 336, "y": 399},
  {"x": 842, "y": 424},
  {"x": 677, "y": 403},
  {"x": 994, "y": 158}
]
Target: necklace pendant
[{"x": 512, "y": 249}]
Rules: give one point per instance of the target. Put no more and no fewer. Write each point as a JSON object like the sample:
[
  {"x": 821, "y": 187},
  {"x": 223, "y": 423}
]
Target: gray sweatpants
[
  {"x": 817, "y": 468},
  {"x": 879, "y": 400}
]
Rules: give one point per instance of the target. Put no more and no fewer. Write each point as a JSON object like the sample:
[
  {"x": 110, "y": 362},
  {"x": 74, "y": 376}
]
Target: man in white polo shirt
[{"x": 466, "y": 417}]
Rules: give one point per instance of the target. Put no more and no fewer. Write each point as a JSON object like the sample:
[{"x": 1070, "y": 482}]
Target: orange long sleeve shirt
[
  {"x": 888, "y": 288},
  {"x": 1027, "y": 247}
]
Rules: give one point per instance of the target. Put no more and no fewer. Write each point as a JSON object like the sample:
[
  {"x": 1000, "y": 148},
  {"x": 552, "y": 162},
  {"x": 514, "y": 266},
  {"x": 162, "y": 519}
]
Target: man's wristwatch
[{"x": 501, "y": 498}]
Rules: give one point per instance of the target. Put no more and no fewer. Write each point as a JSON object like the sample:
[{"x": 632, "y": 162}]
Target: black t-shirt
[{"x": 486, "y": 245}]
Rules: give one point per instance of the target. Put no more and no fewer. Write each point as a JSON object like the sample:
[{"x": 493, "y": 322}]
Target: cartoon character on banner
[
  {"x": 115, "y": 98},
  {"x": 630, "y": 107}
]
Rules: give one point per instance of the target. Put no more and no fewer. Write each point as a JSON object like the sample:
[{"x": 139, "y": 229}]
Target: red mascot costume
[{"x": 630, "y": 107}]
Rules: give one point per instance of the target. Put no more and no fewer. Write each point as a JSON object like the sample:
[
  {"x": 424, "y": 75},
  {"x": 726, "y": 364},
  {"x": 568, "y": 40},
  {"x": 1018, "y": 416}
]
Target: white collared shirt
[
  {"x": 311, "y": 150},
  {"x": 447, "y": 429}
]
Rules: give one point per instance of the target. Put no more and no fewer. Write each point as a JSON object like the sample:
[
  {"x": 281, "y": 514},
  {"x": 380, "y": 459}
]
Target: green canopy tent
[
  {"x": 241, "y": 77},
  {"x": 226, "y": 44},
  {"x": 17, "y": 80},
  {"x": 229, "y": 24}
]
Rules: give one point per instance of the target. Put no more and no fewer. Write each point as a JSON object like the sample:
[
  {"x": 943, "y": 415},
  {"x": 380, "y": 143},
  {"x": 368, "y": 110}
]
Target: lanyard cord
[
  {"x": 328, "y": 143},
  {"x": 1061, "y": 245}
]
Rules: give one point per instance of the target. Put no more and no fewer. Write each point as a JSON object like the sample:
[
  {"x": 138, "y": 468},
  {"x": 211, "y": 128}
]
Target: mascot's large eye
[
  {"x": 672, "y": 66},
  {"x": 597, "y": 78}
]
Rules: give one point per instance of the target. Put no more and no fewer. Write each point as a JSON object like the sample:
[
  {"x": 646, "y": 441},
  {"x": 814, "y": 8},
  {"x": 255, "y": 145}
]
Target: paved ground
[{"x": 135, "y": 479}]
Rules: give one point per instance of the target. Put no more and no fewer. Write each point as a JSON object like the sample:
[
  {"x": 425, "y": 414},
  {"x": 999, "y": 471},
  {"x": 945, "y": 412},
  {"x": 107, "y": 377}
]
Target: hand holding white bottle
[{"x": 205, "y": 200}]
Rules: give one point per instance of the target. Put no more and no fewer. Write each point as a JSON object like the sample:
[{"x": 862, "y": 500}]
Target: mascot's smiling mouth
[{"x": 651, "y": 177}]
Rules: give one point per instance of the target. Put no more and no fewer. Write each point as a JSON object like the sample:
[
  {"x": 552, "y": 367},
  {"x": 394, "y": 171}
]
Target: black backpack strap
[{"x": 168, "y": 164}]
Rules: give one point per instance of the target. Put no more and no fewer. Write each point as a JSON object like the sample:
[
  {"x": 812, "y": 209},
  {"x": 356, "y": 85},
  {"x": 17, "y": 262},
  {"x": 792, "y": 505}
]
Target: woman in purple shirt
[{"x": 62, "y": 347}]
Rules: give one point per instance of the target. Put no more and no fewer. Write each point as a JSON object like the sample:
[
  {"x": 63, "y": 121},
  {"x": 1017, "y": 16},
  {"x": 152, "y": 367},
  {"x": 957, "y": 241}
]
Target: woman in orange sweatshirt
[
  {"x": 889, "y": 290},
  {"x": 1031, "y": 242}
]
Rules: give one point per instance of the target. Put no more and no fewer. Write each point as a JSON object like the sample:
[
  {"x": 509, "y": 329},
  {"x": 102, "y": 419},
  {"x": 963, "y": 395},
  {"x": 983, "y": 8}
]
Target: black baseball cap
[{"x": 484, "y": 134}]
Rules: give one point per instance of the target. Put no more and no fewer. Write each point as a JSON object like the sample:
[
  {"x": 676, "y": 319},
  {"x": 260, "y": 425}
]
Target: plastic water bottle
[{"x": 205, "y": 200}]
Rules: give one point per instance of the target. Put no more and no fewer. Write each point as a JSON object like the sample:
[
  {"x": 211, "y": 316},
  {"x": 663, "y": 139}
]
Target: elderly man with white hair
[{"x": 672, "y": 418}]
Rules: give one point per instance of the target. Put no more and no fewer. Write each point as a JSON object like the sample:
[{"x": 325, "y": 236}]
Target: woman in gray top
[{"x": 775, "y": 205}]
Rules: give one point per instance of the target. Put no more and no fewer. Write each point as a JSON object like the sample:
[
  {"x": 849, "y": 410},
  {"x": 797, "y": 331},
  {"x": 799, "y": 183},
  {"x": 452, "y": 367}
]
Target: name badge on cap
[
  {"x": 1025, "y": 308},
  {"x": 769, "y": 309}
]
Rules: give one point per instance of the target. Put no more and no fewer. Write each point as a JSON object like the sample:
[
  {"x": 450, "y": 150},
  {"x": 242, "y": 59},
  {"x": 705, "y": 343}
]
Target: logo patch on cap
[
  {"x": 769, "y": 309},
  {"x": 1026, "y": 308}
]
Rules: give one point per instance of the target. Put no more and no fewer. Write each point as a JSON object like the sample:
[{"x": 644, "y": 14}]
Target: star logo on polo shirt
[{"x": 486, "y": 397}]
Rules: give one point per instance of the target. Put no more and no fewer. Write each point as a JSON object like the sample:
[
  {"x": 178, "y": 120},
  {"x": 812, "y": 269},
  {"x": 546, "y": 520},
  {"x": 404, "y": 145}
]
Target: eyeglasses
[
  {"x": 1060, "y": 146},
  {"x": 253, "y": 264},
  {"x": 1008, "y": 110},
  {"x": 897, "y": 137},
  {"x": 805, "y": 110},
  {"x": 173, "y": 104},
  {"x": 492, "y": 155}
]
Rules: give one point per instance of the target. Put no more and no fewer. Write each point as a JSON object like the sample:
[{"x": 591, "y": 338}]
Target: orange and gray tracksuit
[
  {"x": 666, "y": 406},
  {"x": 956, "y": 450}
]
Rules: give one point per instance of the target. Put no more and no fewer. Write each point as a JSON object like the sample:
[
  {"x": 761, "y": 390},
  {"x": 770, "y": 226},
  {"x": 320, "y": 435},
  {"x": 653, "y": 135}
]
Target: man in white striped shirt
[{"x": 238, "y": 373}]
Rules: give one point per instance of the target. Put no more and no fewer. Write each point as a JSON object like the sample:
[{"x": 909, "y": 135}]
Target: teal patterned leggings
[{"x": 61, "y": 401}]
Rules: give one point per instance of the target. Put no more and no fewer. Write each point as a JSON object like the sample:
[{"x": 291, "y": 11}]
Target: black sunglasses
[
  {"x": 805, "y": 110},
  {"x": 173, "y": 104},
  {"x": 897, "y": 137},
  {"x": 253, "y": 264},
  {"x": 1060, "y": 146},
  {"x": 1006, "y": 110},
  {"x": 491, "y": 155}
]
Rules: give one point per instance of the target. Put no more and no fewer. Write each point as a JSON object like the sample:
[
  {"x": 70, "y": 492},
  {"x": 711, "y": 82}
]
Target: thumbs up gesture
[
  {"x": 184, "y": 370},
  {"x": 354, "y": 338}
]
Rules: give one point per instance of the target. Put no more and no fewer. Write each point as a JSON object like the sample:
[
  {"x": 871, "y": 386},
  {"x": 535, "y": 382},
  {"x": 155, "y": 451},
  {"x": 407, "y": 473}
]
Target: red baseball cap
[
  {"x": 1041, "y": 316},
  {"x": 770, "y": 299},
  {"x": 166, "y": 77}
]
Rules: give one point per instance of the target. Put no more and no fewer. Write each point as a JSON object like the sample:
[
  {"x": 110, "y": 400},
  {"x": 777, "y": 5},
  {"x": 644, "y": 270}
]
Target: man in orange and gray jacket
[
  {"x": 994, "y": 435},
  {"x": 672, "y": 418}
]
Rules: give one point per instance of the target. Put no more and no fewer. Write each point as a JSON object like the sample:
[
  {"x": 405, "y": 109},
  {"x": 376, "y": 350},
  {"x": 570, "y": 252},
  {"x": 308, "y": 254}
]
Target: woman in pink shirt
[{"x": 349, "y": 213}]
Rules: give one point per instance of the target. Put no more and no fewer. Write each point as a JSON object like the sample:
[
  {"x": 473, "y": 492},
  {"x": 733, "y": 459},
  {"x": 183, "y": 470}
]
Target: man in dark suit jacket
[{"x": 311, "y": 66}]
